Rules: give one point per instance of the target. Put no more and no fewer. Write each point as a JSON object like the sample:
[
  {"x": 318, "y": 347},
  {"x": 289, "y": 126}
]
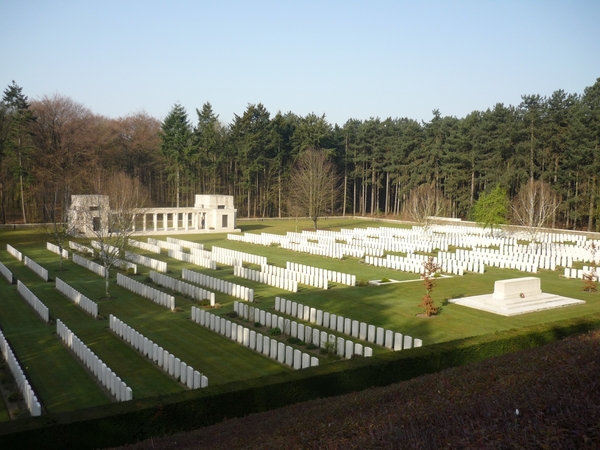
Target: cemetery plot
[
  {"x": 382, "y": 309},
  {"x": 193, "y": 259},
  {"x": 154, "y": 264},
  {"x": 360, "y": 330},
  {"x": 60, "y": 383},
  {"x": 331, "y": 275},
  {"x": 14, "y": 252},
  {"x": 148, "y": 292},
  {"x": 266, "y": 278},
  {"x": 345, "y": 348},
  {"x": 36, "y": 268},
  {"x": 81, "y": 248},
  {"x": 184, "y": 288},
  {"x": 217, "y": 284},
  {"x": 78, "y": 298},
  {"x": 90, "y": 265},
  {"x": 269, "y": 347},
  {"x": 55, "y": 249},
  {"x": 165, "y": 360},
  {"x": 6, "y": 273},
  {"x": 34, "y": 302},
  {"x": 95, "y": 365},
  {"x": 144, "y": 246},
  {"x": 186, "y": 244},
  {"x": 33, "y": 404}
]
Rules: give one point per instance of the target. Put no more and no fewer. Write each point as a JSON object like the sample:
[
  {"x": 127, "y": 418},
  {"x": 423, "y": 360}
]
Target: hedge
[{"x": 127, "y": 422}]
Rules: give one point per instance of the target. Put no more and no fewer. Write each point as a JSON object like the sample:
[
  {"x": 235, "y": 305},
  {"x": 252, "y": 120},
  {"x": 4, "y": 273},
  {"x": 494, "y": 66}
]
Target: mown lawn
[{"x": 64, "y": 385}]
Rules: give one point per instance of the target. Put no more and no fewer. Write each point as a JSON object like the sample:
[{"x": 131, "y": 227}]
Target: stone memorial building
[{"x": 210, "y": 214}]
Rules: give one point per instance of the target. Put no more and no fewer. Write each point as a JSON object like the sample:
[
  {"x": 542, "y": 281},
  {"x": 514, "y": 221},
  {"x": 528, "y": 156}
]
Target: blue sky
[{"x": 345, "y": 59}]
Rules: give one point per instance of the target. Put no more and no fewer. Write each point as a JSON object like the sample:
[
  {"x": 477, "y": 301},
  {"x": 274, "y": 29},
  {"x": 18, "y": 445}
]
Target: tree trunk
[
  {"x": 22, "y": 190},
  {"x": 106, "y": 283}
]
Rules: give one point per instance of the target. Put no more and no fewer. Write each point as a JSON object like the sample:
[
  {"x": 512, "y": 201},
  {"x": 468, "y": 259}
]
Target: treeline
[{"x": 54, "y": 147}]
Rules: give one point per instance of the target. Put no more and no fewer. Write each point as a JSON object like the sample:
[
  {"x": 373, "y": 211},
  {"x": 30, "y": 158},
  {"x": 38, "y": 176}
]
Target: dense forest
[{"x": 54, "y": 147}]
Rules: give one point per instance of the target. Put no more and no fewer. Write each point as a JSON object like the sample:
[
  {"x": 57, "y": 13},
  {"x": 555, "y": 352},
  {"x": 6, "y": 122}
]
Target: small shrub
[
  {"x": 310, "y": 346},
  {"x": 362, "y": 282},
  {"x": 275, "y": 331},
  {"x": 15, "y": 397},
  {"x": 217, "y": 306},
  {"x": 385, "y": 280},
  {"x": 301, "y": 344},
  {"x": 257, "y": 324},
  {"x": 148, "y": 279},
  {"x": 177, "y": 309},
  {"x": 293, "y": 340},
  {"x": 205, "y": 302},
  {"x": 232, "y": 314},
  {"x": 130, "y": 271}
]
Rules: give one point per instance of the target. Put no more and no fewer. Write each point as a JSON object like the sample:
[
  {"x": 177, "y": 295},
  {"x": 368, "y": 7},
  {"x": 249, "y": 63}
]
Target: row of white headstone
[
  {"x": 219, "y": 285},
  {"x": 33, "y": 404},
  {"x": 331, "y": 275},
  {"x": 343, "y": 347},
  {"x": 360, "y": 330},
  {"x": 81, "y": 248},
  {"x": 125, "y": 265},
  {"x": 312, "y": 249},
  {"x": 203, "y": 253},
  {"x": 318, "y": 281},
  {"x": 144, "y": 246},
  {"x": 155, "y": 264},
  {"x": 6, "y": 273},
  {"x": 165, "y": 360},
  {"x": 107, "y": 378},
  {"x": 195, "y": 292},
  {"x": 415, "y": 265},
  {"x": 104, "y": 247},
  {"x": 580, "y": 273},
  {"x": 90, "y": 265},
  {"x": 36, "y": 268},
  {"x": 496, "y": 258},
  {"x": 186, "y": 244},
  {"x": 265, "y": 239},
  {"x": 14, "y": 252},
  {"x": 158, "y": 297},
  {"x": 269, "y": 347},
  {"x": 245, "y": 257},
  {"x": 266, "y": 278},
  {"x": 193, "y": 259},
  {"x": 89, "y": 306},
  {"x": 33, "y": 301},
  {"x": 167, "y": 245},
  {"x": 55, "y": 249}
]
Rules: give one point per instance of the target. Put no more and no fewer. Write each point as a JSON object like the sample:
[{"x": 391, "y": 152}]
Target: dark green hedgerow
[{"x": 128, "y": 422}]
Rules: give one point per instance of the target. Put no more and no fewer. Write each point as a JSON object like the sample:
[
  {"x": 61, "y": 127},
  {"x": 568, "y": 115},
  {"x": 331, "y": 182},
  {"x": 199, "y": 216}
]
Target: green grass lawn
[{"x": 63, "y": 384}]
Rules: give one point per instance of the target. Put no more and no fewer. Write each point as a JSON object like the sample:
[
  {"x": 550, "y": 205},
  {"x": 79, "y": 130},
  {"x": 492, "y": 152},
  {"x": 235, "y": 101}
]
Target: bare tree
[
  {"x": 534, "y": 206},
  {"x": 314, "y": 186},
  {"x": 107, "y": 218},
  {"x": 425, "y": 203}
]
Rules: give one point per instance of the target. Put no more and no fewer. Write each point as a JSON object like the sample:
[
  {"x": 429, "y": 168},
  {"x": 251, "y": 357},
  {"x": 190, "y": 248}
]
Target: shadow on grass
[{"x": 242, "y": 226}]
